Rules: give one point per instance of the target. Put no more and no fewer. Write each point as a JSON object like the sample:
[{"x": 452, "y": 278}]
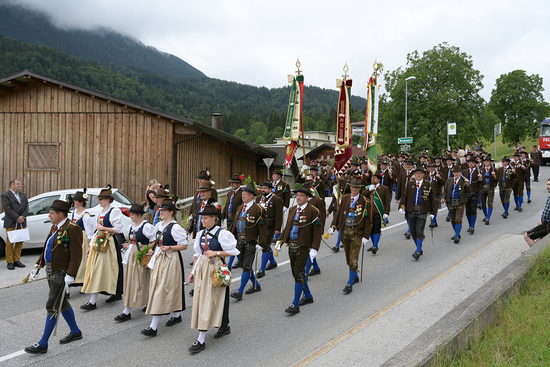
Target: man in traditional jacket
[
  {"x": 437, "y": 182},
  {"x": 489, "y": 181},
  {"x": 273, "y": 209},
  {"x": 505, "y": 176},
  {"x": 455, "y": 193},
  {"x": 473, "y": 175},
  {"x": 281, "y": 188},
  {"x": 379, "y": 197}
]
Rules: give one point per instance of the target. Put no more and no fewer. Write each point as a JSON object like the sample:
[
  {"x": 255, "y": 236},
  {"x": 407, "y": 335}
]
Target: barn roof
[{"x": 23, "y": 79}]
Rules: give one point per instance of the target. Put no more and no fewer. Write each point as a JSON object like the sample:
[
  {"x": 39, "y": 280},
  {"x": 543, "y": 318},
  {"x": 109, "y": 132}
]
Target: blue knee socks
[
  {"x": 253, "y": 279},
  {"x": 520, "y": 201},
  {"x": 375, "y": 239},
  {"x": 474, "y": 217},
  {"x": 528, "y": 195},
  {"x": 298, "y": 288},
  {"x": 230, "y": 262},
  {"x": 272, "y": 258},
  {"x": 339, "y": 239},
  {"x": 352, "y": 276},
  {"x": 489, "y": 212},
  {"x": 71, "y": 321},
  {"x": 48, "y": 329},
  {"x": 458, "y": 228},
  {"x": 244, "y": 279},
  {"x": 484, "y": 211},
  {"x": 418, "y": 243},
  {"x": 469, "y": 217},
  {"x": 408, "y": 226},
  {"x": 506, "y": 207},
  {"x": 265, "y": 258},
  {"x": 307, "y": 292},
  {"x": 434, "y": 221},
  {"x": 309, "y": 263}
]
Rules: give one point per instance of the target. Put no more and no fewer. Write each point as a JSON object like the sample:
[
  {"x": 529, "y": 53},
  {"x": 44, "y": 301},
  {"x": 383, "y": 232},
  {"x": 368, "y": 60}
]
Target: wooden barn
[{"x": 57, "y": 135}]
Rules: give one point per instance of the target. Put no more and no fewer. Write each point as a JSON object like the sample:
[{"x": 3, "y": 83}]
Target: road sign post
[
  {"x": 407, "y": 140},
  {"x": 498, "y": 131}
]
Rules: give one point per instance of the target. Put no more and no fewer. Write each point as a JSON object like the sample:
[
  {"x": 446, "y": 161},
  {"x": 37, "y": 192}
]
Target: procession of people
[{"x": 250, "y": 227}]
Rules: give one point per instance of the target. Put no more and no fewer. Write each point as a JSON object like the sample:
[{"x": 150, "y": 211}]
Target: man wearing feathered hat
[{"x": 437, "y": 182}]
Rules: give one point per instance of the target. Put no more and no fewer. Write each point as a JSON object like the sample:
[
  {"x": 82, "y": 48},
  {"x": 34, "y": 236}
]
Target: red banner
[
  {"x": 290, "y": 151},
  {"x": 342, "y": 160}
]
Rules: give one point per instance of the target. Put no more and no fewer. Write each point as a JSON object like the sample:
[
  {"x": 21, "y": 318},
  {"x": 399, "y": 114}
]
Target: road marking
[
  {"x": 13, "y": 355},
  {"x": 363, "y": 324}
]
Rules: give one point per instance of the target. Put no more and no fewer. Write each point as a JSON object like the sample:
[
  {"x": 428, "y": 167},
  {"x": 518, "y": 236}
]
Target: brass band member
[
  {"x": 455, "y": 193},
  {"x": 489, "y": 181}
]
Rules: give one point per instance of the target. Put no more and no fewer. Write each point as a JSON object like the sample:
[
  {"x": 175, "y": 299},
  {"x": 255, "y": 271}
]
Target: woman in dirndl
[
  {"x": 136, "y": 279},
  {"x": 82, "y": 218},
  {"x": 166, "y": 280},
  {"x": 102, "y": 268},
  {"x": 210, "y": 303}
]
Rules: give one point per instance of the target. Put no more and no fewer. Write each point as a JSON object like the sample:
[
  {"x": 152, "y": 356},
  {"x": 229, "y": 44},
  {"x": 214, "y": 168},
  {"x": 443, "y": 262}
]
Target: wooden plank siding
[{"x": 99, "y": 143}]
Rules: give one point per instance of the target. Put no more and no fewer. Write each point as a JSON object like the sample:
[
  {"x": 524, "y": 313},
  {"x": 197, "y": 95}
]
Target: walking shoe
[
  {"x": 487, "y": 222},
  {"x": 472, "y": 230},
  {"x": 416, "y": 255},
  {"x": 271, "y": 266},
  {"x": 457, "y": 239},
  {"x": 149, "y": 332},
  {"x": 313, "y": 272},
  {"x": 12, "y": 267},
  {"x": 292, "y": 309},
  {"x": 123, "y": 317},
  {"x": 348, "y": 289},
  {"x": 484, "y": 219},
  {"x": 113, "y": 298},
  {"x": 504, "y": 215},
  {"x": 335, "y": 249},
  {"x": 71, "y": 338},
  {"x": 253, "y": 290},
  {"x": 192, "y": 292},
  {"x": 197, "y": 347},
  {"x": 237, "y": 295},
  {"x": 222, "y": 332},
  {"x": 260, "y": 274},
  {"x": 520, "y": 209},
  {"x": 36, "y": 349},
  {"x": 88, "y": 306},
  {"x": 529, "y": 201},
  {"x": 373, "y": 250},
  {"x": 448, "y": 219},
  {"x": 516, "y": 208},
  {"x": 236, "y": 265},
  {"x": 173, "y": 321},
  {"x": 18, "y": 264},
  {"x": 408, "y": 235},
  {"x": 305, "y": 301}
]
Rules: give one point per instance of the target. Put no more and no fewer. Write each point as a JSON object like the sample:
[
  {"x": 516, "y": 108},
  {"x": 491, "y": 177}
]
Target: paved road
[{"x": 262, "y": 334}]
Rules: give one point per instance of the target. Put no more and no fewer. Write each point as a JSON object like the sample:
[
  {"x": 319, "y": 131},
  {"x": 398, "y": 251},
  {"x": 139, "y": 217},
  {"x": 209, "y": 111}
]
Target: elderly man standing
[{"x": 16, "y": 207}]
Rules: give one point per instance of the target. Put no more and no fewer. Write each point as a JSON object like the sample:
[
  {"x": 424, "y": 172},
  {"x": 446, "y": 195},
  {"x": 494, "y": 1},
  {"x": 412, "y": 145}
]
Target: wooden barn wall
[
  {"x": 224, "y": 160},
  {"x": 100, "y": 143}
]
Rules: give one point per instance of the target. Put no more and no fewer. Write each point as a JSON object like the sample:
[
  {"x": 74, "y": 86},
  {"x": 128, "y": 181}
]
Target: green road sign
[{"x": 408, "y": 140}]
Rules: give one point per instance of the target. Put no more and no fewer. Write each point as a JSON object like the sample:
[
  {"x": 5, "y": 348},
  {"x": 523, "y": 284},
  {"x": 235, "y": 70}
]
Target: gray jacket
[{"x": 13, "y": 209}]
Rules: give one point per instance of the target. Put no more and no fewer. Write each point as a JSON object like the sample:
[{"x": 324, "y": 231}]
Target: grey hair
[{"x": 12, "y": 181}]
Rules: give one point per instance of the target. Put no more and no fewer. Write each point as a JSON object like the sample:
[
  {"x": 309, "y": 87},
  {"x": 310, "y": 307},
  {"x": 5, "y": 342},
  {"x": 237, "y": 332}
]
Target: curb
[{"x": 467, "y": 320}]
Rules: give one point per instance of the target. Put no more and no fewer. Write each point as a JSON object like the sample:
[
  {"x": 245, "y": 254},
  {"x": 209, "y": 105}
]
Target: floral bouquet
[
  {"x": 142, "y": 257},
  {"x": 101, "y": 241},
  {"x": 221, "y": 277}
]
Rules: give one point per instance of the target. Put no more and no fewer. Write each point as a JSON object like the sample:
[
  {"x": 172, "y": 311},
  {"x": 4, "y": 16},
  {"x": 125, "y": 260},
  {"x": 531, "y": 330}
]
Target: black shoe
[
  {"x": 36, "y": 348},
  {"x": 271, "y": 266},
  {"x": 71, "y": 338},
  {"x": 516, "y": 208},
  {"x": 408, "y": 235},
  {"x": 197, "y": 347},
  {"x": 448, "y": 219},
  {"x": 421, "y": 252},
  {"x": 431, "y": 225},
  {"x": 191, "y": 263},
  {"x": 149, "y": 332},
  {"x": 472, "y": 230},
  {"x": 88, "y": 306},
  {"x": 253, "y": 290},
  {"x": 355, "y": 280},
  {"x": 484, "y": 220},
  {"x": 12, "y": 267},
  {"x": 237, "y": 295},
  {"x": 348, "y": 289},
  {"x": 18, "y": 264},
  {"x": 457, "y": 240},
  {"x": 113, "y": 298},
  {"x": 144, "y": 309},
  {"x": 373, "y": 250},
  {"x": 192, "y": 292},
  {"x": 520, "y": 209},
  {"x": 260, "y": 274},
  {"x": 504, "y": 215},
  {"x": 236, "y": 265},
  {"x": 479, "y": 206},
  {"x": 173, "y": 321},
  {"x": 487, "y": 222},
  {"x": 123, "y": 317},
  {"x": 313, "y": 272},
  {"x": 529, "y": 201},
  {"x": 453, "y": 238},
  {"x": 305, "y": 301},
  {"x": 416, "y": 255},
  {"x": 68, "y": 295},
  {"x": 335, "y": 249},
  {"x": 292, "y": 309},
  {"x": 222, "y": 332}
]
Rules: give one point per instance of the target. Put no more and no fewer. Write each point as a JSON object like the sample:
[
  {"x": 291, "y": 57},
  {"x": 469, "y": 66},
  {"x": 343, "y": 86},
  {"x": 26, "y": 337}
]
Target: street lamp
[{"x": 411, "y": 78}]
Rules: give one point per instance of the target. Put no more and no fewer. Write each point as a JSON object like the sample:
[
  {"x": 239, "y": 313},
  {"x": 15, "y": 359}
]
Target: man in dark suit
[
  {"x": 273, "y": 210},
  {"x": 233, "y": 200},
  {"x": 505, "y": 177},
  {"x": 16, "y": 207},
  {"x": 404, "y": 178},
  {"x": 61, "y": 256},
  {"x": 281, "y": 188},
  {"x": 455, "y": 193},
  {"x": 302, "y": 233},
  {"x": 379, "y": 196},
  {"x": 437, "y": 185},
  {"x": 473, "y": 174}
]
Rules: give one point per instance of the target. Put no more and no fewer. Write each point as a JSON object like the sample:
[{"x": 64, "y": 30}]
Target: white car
[{"x": 39, "y": 223}]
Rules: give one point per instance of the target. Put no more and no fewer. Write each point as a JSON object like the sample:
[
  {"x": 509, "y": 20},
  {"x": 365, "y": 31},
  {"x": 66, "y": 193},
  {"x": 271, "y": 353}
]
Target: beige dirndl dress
[
  {"x": 87, "y": 234},
  {"x": 208, "y": 301},
  {"x": 136, "y": 278},
  {"x": 166, "y": 281},
  {"x": 102, "y": 267}
]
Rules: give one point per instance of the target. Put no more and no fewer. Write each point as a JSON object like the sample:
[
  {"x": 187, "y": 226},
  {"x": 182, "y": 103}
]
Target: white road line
[{"x": 13, "y": 355}]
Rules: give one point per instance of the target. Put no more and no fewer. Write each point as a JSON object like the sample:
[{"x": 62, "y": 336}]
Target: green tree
[
  {"x": 241, "y": 134},
  {"x": 446, "y": 89},
  {"x": 518, "y": 102}
]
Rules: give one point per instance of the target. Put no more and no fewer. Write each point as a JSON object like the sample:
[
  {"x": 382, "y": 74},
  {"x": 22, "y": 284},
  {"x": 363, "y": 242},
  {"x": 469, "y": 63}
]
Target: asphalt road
[{"x": 262, "y": 333}]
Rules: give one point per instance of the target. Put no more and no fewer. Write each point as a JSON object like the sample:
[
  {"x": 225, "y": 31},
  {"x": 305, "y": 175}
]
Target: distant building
[
  {"x": 312, "y": 140},
  {"x": 358, "y": 128}
]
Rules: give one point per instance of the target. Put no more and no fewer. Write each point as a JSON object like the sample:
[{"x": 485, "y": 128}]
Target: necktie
[
  {"x": 456, "y": 181},
  {"x": 203, "y": 205},
  {"x": 244, "y": 208},
  {"x": 263, "y": 200},
  {"x": 298, "y": 211}
]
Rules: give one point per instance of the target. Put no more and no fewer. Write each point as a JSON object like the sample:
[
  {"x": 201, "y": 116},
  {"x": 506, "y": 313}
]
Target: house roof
[
  {"x": 279, "y": 162},
  {"x": 356, "y": 151},
  {"x": 26, "y": 78},
  {"x": 359, "y": 123}
]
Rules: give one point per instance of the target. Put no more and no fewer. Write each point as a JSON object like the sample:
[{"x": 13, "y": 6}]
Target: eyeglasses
[{"x": 163, "y": 210}]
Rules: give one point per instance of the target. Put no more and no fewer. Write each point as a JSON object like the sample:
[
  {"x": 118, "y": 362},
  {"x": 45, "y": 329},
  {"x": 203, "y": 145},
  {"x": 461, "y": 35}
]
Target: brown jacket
[
  {"x": 282, "y": 190},
  {"x": 437, "y": 182},
  {"x": 463, "y": 190},
  {"x": 363, "y": 224},
  {"x": 509, "y": 179},
  {"x": 237, "y": 200},
  {"x": 321, "y": 205},
  {"x": 310, "y": 229},
  {"x": 520, "y": 173},
  {"x": 256, "y": 227},
  {"x": 273, "y": 211},
  {"x": 428, "y": 204},
  {"x": 318, "y": 184},
  {"x": 476, "y": 182},
  {"x": 65, "y": 256},
  {"x": 402, "y": 183},
  {"x": 492, "y": 180}
]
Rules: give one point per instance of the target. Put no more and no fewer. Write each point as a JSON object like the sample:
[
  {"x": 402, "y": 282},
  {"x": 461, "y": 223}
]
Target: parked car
[{"x": 39, "y": 223}]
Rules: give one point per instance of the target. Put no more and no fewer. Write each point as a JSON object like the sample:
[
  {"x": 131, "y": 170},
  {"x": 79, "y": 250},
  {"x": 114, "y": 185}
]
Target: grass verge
[{"x": 521, "y": 333}]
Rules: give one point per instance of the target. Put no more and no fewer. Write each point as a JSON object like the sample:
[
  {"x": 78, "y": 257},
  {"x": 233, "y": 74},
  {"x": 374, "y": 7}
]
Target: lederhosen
[
  {"x": 505, "y": 192},
  {"x": 270, "y": 230},
  {"x": 473, "y": 196},
  {"x": 297, "y": 254},
  {"x": 118, "y": 247},
  {"x": 350, "y": 238},
  {"x": 487, "y": 190},
  {"x": 214, "y": 245},
  {"x": 246, "y": 248},
  {"x": 527, "y": 164},
  {"x": 456, "y": 208}
]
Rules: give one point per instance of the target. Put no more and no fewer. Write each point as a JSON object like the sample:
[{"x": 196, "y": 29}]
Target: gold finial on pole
[
  {"x": 346, "y": 69},
  {"x": 298, "y": 64}
]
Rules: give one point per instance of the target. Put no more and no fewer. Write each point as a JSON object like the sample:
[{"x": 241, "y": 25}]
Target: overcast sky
[{"x": 257, "y": 42}]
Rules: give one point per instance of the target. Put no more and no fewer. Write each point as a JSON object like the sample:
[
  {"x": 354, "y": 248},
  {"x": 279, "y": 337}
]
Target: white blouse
[
  {"x": 87, "y": 220},
  {"x": 148, "y": 230},
  {"x": 115, "y": 218},
  {"x": 178, "y": 233},
  {"x": 225, "y": 238}
]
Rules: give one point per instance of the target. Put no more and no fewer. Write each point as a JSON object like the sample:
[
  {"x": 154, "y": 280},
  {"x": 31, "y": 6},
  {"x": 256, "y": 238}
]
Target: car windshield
[
  {"x": 42, "y": 205},
  {"x": 121, "y": 198},
  {"x": 545, "y": 131}
]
